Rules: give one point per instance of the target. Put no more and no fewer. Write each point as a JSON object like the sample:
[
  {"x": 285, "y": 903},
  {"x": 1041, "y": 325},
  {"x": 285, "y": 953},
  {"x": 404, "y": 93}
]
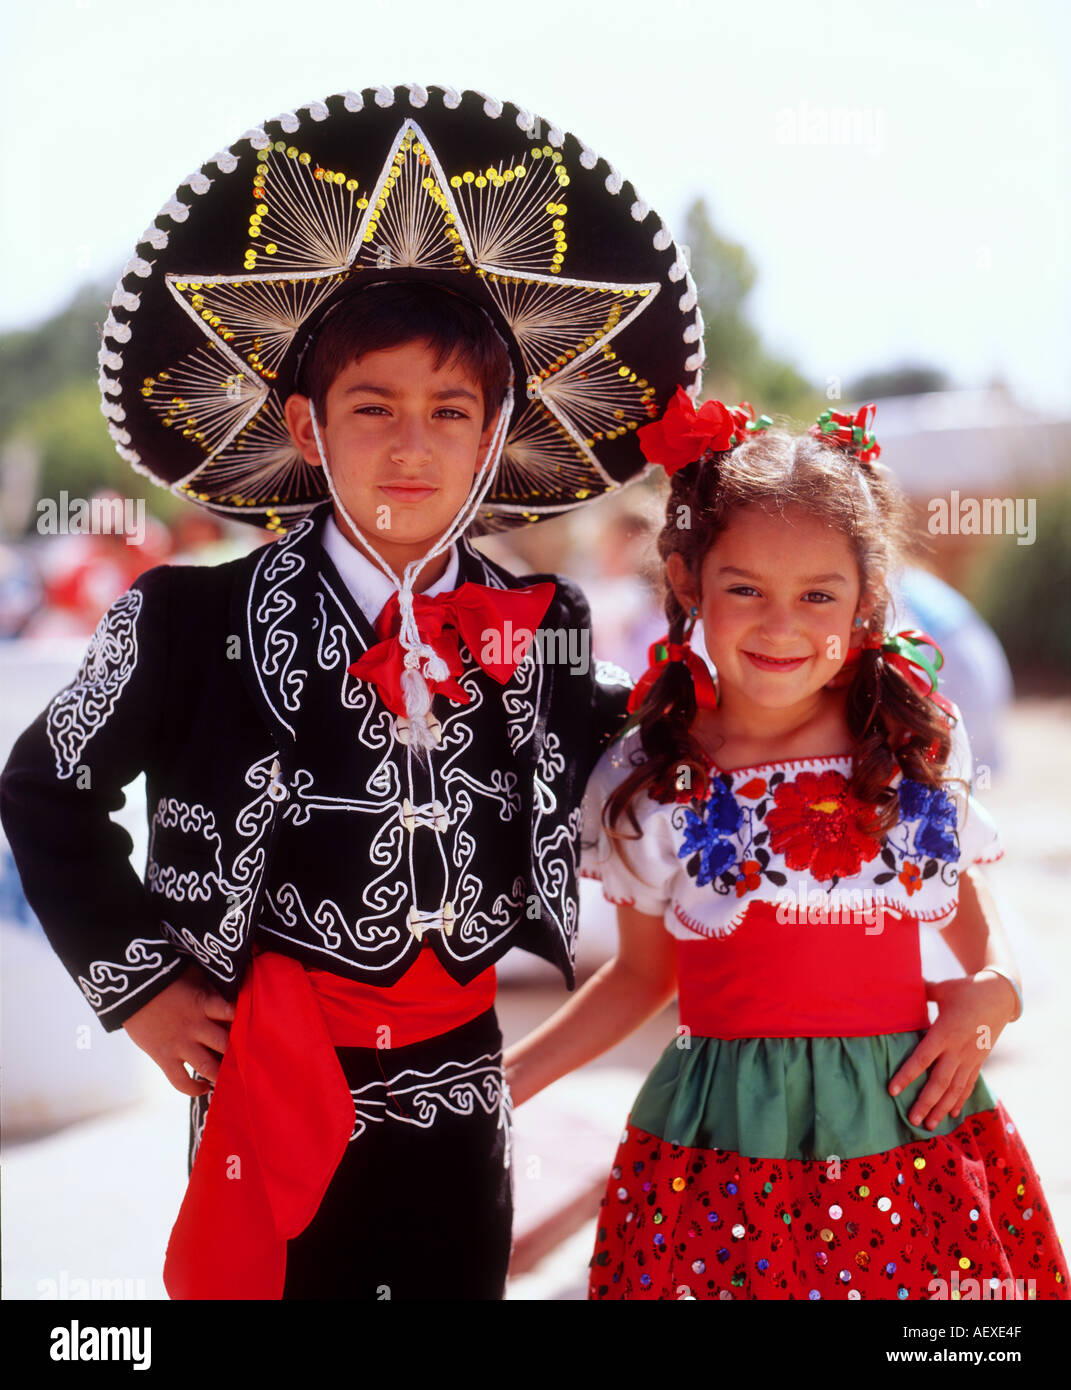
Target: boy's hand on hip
[
  {"x": 186, "y": 1022},
  {"x": 972, "y": 1013}
]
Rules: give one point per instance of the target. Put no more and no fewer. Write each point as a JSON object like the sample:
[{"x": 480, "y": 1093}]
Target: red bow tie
[{"x": 497, "y": 626}]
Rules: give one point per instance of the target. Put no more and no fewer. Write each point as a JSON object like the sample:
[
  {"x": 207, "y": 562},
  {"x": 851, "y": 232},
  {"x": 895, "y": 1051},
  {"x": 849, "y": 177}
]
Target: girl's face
[{"x": 778, "y": 596}]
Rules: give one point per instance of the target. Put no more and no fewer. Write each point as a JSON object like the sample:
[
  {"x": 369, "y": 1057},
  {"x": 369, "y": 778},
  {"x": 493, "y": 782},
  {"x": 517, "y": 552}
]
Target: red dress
[{"x": 763, "y": 1157}]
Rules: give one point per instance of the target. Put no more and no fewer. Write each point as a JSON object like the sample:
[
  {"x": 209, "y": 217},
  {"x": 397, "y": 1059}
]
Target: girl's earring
[
  {"x": 693, "y": 613},
  {"x": 857, "y": 622}
]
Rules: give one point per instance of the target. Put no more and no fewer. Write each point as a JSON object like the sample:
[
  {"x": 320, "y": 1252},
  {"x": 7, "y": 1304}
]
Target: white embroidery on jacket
[
  {"x": 83, "y": 708},
  {"x": 272, "y": 644},
  {"x": 143, "y": 958},
  {"x": 237, "y": 887},
  {"x": 403, "y": 881}
]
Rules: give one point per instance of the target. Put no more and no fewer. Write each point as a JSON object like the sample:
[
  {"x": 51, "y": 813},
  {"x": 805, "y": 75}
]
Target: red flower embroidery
[
  {"x": 749, "y": 878},
  {"x": 813, "y": 824},
  {"x": 911, "y": 878}
]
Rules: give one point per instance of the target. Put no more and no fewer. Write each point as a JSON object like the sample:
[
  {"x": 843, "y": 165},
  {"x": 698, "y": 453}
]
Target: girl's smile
[{"x": 776, "y": 663}]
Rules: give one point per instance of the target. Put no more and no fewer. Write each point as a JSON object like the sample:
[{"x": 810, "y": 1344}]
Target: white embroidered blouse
[{"x": 785, "y": 833}]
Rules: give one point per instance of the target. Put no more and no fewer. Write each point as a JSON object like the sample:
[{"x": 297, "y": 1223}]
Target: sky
[{"x": 898, "y": 173}]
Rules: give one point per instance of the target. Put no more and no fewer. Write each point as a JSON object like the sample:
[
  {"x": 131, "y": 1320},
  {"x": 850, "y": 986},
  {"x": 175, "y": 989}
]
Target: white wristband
[{"x": 1018, "y": 992}]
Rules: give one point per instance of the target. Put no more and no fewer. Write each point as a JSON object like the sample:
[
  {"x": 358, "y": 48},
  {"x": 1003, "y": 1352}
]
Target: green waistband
[{"x": 804, "y": 1098}]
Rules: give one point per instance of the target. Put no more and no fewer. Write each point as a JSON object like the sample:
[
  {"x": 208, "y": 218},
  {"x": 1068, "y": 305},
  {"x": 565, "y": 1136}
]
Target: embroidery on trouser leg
[{"x": 454, "y": 1087}]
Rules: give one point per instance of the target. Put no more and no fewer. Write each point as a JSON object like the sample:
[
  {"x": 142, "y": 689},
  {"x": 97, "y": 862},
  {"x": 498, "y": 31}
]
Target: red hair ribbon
[
  {"x": 746, "y": 423},
  {"x": 903, "y": 652},
  {"x": 683, "y": 434},
  {"x": 659, "y": 655},
  {"x": 850, "y": 432}
]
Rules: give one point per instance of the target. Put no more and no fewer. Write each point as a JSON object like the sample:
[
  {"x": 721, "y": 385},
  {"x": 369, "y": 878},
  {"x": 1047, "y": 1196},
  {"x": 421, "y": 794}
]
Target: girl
[{"x": 773, "y": 838}]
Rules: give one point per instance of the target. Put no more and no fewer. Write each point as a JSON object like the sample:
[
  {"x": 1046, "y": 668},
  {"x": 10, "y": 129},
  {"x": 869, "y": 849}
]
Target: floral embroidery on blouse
[
  {"x": 935, "y": 836},
  {"x": 709, "y": 832},
  {"x": 814, "y": 825},
  {"x": 787, "y": 830},
  {"x": 811, "y": 823}
]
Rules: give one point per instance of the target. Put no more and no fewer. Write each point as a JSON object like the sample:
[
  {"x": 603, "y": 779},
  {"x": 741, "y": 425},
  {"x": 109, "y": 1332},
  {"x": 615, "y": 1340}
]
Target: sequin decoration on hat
[{"x": 582, "y": 280}]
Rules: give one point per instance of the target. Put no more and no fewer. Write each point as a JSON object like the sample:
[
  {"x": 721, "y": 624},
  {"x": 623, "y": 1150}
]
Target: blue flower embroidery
[
  {"x": 709, "y": 833},
  {"x": 936, "y": 834}
]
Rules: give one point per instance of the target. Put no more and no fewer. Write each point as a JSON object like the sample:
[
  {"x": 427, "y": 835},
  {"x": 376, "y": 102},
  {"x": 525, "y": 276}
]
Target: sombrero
[{"x": 581, "y": 278}]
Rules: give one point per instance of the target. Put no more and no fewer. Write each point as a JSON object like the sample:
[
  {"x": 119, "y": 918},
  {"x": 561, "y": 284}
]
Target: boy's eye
[{"x": 448, "y": 412}]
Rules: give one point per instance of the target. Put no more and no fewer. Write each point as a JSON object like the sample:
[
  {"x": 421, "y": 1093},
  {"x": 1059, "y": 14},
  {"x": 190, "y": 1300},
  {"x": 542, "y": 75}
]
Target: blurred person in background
[
  {"x": 621, "y": 583},
  {"x": 83, "y": 574},
  {"x": 199, "y": 538},
  {"x": 20, "y": 592}
]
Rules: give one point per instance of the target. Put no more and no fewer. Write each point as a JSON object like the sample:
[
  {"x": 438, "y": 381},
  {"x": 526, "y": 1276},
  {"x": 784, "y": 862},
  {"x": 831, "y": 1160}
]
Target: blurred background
[{"x": 874, "y": 211}]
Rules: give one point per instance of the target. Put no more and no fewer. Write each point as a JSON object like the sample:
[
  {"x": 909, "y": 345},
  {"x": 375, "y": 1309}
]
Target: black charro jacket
[{"x": 226, "y": 685}]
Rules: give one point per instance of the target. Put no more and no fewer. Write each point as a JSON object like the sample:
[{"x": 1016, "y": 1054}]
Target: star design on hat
[{"x": 311, "y": 228}]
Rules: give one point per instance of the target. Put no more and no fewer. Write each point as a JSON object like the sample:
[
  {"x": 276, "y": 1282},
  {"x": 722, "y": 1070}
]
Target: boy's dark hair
[{"x": 389, "y": 315}]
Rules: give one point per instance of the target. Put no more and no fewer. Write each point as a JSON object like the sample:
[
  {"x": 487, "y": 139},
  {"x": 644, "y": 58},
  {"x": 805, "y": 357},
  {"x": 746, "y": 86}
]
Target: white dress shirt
[{"x": 369, "y": 586}]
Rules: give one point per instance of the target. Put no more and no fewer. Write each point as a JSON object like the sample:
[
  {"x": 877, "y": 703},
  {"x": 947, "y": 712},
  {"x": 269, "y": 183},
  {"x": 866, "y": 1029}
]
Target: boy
[{"x": 362, "y": 789}]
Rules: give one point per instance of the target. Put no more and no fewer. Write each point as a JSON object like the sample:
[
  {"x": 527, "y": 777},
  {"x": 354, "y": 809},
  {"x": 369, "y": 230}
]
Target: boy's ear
[
  {"x": 298, "y": 417},
  {"x": 681, "y": 582}
]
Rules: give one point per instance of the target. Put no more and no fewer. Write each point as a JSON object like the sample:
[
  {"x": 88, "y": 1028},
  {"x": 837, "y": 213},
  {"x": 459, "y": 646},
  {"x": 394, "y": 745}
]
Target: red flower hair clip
[
  {"x": 850, "y": 432},
  {"x": 683, "y": 434}
]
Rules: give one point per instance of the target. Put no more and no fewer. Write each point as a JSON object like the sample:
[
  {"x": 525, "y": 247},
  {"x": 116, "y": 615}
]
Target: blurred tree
[
  {"x": 1017, "y": 591},
  {"x": 76, "y": 452},
  {"x": 738, "y": 367},
  {"x": 35, "y": 362},
  {"x": 50, "y": 403},
  {"x": 910, "y": 379}
]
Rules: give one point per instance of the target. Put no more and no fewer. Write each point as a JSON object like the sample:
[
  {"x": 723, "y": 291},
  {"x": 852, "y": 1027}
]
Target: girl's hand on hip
[{"x": 972, "y": 1013}]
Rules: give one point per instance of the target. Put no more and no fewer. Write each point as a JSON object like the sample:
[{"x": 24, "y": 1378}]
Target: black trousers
[{"x": 421, "y": 1206}]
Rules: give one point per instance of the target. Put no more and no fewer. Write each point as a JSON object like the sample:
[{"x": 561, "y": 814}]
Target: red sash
[{"x": 282, "y": 1114}]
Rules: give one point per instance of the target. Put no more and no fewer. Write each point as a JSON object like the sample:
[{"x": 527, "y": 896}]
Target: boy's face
[{"x": 404, "y": 440}]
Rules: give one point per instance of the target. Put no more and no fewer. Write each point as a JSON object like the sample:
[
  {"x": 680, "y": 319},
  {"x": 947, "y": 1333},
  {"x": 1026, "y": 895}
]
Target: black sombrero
[{"x": 582, "y": 279}]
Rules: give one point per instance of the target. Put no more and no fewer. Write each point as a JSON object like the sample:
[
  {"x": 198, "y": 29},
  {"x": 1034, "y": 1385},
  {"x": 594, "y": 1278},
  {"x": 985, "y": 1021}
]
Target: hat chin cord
[{"x": 416, "y": 676}]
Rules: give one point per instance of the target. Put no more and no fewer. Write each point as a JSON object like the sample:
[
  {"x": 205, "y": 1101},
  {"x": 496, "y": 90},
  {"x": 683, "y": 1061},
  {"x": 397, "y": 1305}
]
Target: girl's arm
[
  {"x": 975, "y": 935},
  {"x": 973, "y": 1012},
  {"x": 625, "y": 992}
]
